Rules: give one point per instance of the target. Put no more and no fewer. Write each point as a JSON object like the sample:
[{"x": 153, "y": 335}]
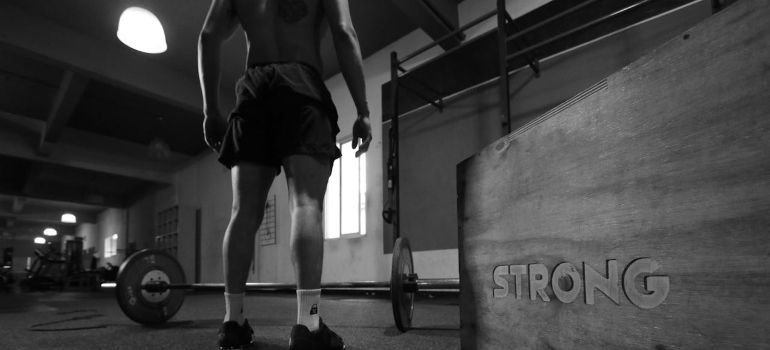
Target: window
[
  {"x": 345, "y": 200},
  {"x": 111, "y": 246}
]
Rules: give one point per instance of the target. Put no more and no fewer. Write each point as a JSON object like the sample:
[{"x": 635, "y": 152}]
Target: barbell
[{"x": 150, "y": 286}]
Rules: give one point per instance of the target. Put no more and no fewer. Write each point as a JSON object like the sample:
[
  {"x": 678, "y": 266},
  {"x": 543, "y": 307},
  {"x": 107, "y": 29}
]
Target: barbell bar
[
  {"x": 410, "y": 286},
  {"x": 150, "y": 286}
]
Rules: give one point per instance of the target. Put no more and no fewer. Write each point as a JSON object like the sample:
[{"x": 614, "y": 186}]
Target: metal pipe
[
  {"x": 480, "y": 19},
  {"x": 461, "y": 29},
  {"x": 560, "y": 15},
  {"x": 439, "y": 105},
  {"x": 437, "y": 57},
  {"x": 436, "y": 283},
  {"x": 575, "y": 30},
  {"x": 394, "y": 184},
  {"x": 402, "y": 70},
  {"x": 502, "y": 50}
]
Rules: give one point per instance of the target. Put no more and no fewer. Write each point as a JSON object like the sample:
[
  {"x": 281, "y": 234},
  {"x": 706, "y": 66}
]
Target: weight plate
[
  {"x": 401, "y": 267},
  {"x": 140, "y": 268}
]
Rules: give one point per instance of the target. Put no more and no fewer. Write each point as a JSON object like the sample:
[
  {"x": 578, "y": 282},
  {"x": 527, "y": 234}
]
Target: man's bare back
[{"x": 282, "y": 30}]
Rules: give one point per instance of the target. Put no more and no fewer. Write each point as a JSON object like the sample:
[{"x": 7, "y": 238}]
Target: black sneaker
[
  {"x": 234, "y": 336},
  {"x": 322, "y": 339}
]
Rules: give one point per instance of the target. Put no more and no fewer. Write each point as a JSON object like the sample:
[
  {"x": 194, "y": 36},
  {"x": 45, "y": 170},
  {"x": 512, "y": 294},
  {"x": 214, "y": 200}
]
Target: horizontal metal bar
[
  {"x": 267, "y": 286},
  {"x": 424, "y": 85},
  {"x": 445, "y": 283},
  {"x": 508, "y": 17},
  {"x": 423, "y": 97},
  {"x": 560, "y": 15},
  {"x": 575, "y": 30},
  {"x": 354, "y": 285},
  {"x": 461, "y": 29},
  {"x": 437, "y": 57},
  {"x": 532, "y": 62}
]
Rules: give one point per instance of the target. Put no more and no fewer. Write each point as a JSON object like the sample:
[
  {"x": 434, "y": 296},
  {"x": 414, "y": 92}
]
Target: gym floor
[{"x": 93, "y": 320}]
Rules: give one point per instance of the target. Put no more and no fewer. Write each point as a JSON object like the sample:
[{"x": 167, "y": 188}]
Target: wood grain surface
[{"x": 638, "y": 216}]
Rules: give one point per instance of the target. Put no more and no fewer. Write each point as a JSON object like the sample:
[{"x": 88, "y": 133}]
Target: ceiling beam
[
  {"x": 70, "y": 91},
  {"x": 437, "y": 18},
  {"x": 33, "y": 36},
  {"x": 51, "y": 216},
  {"x": 36, "y": 229},
  {"x": 22, "y": 125},
  {"x": 69, "y": 195},
  {"x": 15, "y": 144},
  {"x": 18, "y": 204}
]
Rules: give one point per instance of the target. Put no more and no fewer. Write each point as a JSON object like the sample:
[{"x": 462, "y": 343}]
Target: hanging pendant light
[
  {"x": 140, "y": 30},
  {"x": 69, "y": 218}
]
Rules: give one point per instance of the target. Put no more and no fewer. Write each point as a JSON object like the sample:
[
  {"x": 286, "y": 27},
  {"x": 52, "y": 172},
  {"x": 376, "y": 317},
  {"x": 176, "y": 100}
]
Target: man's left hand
[
  {"x": 214, "y": 127},
  {"x": 362, "y": 130}
]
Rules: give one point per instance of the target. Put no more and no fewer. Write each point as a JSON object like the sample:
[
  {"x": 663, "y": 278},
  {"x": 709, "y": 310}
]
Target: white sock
[
  {"x": 234, "y": 307},
  {"x": 308, "y": 302}
]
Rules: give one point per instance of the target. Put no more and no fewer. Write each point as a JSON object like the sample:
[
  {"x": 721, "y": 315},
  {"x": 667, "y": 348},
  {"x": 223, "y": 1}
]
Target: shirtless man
[{"x": 284, "y": 118}]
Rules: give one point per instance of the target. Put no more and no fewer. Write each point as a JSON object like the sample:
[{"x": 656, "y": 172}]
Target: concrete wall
[
  {"x": 89, "y": 233},
  {"x": 111, "y": 221},
  {"x": 141, "y": 223}
]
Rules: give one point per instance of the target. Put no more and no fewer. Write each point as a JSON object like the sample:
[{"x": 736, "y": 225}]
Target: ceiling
[{"x": 78, "y": 109}]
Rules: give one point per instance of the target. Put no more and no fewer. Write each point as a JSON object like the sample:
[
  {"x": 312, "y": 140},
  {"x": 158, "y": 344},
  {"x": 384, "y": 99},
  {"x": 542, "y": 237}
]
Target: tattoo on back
[{"x": 292, "y": 10}]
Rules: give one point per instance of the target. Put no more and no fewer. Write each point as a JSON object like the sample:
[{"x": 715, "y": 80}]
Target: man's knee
[
  {"x": 247, "y": 214},
  {"x": 307, "y": 203}
]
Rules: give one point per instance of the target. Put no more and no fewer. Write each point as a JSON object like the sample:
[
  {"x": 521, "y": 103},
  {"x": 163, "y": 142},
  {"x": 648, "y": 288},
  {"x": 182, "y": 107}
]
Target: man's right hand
[
  {"x": 362, "y": 130},
  {"x": 214, "y": 127}
]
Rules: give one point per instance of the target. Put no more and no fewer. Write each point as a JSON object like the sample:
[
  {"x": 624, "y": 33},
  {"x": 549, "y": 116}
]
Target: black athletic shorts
[{"x": 282, "y": 109}]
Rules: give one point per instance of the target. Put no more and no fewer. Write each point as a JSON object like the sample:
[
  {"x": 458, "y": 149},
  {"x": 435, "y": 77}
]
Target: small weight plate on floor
[
  {"x": 143, "y": 307},
  {"x": 401, "y": 267}
]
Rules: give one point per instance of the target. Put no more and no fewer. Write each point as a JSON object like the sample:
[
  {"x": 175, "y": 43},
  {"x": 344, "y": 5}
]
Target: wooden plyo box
[{"x": 636, "y": 215}]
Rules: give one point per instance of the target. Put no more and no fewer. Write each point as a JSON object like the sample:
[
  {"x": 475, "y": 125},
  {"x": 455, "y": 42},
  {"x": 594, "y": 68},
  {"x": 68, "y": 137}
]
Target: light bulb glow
[
  {"x": 39, "y": 240},
  {"x": 140, "y": 30},
  {"x": 49, "y": 232},
  {"x": 69, "y": 218},
  {"x": 115, "y": 236}
]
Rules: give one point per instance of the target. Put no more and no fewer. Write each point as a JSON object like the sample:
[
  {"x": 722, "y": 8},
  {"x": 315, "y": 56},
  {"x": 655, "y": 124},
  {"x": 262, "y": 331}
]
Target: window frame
[
  {"x": 111, "y": 248},
  {"x": 344, "y": 142}
]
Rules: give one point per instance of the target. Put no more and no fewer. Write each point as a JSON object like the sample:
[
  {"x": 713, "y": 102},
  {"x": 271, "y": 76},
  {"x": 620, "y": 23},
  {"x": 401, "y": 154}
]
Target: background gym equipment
[
  {"x": 551, "y": 32},
  {"x": 6, "y": 269},
  {"x": 151, "y": 285},
  {"x": 635, "y": 215},
  {"x": 47, "y": 271}
]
